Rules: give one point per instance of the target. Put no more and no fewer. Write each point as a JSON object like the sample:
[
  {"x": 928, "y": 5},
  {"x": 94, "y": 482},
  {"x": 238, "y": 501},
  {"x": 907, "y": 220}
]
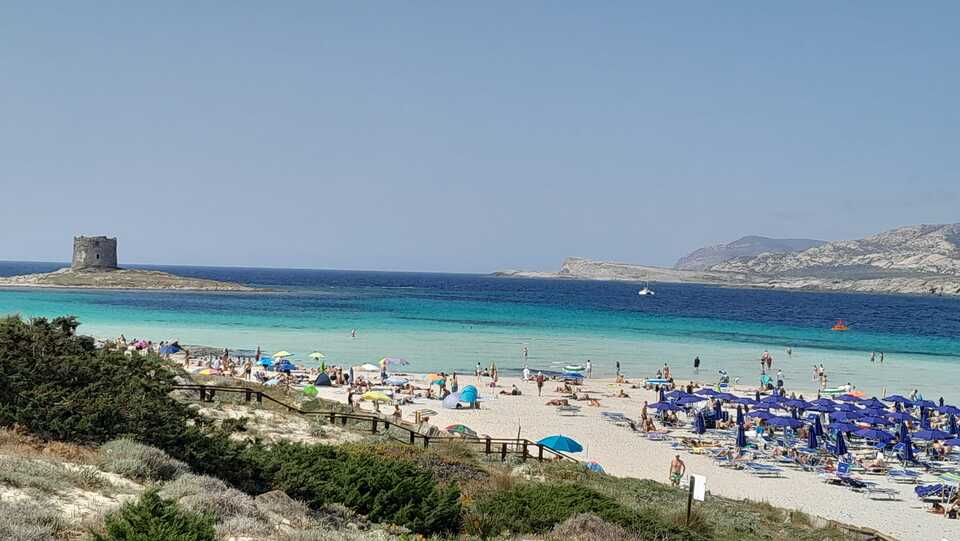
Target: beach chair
[
  {"x": 844, "y": 477},
  {"x": 903, "y": 475},
  {"x": 569, "y": 411}
]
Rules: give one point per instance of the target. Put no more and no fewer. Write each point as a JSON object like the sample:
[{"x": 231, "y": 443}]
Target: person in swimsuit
[{"x": 677, "y": 469}]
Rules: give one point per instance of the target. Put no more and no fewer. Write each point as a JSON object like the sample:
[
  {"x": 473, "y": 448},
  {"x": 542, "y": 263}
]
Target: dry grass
[
  {"x": 587, "y": 527},
  {"x": 41, "y": 476},
  {"x": 19, "y": 443},
  {"x": 28, "y": 521}
]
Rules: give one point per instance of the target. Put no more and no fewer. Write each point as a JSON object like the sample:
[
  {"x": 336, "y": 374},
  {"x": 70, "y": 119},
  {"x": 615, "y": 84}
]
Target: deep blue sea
[{"x": 451, "y": 321}]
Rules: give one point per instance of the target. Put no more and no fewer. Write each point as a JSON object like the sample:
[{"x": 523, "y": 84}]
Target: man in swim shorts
[{"x": 677, "y": 469}]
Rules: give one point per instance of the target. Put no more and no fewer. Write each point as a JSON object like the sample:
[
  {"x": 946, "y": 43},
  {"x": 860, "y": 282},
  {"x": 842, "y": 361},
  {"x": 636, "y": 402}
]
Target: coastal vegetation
[{"x": 84, "y": 428}]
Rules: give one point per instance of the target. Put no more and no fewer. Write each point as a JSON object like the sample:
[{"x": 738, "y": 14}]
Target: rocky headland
[{"x": 919, "y": 259}]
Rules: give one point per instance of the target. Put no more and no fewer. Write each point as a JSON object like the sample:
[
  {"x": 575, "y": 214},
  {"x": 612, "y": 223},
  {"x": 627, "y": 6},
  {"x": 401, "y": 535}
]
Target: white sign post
[{"x": 698, "y": 490}]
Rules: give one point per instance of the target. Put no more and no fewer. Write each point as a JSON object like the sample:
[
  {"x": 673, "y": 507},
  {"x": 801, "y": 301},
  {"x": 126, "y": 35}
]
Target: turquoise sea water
[{"x": 450, "y": 322}]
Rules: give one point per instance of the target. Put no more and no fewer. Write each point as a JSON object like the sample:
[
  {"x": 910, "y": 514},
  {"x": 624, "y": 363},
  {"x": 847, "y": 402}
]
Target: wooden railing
[{"x": 503, "y": 447}]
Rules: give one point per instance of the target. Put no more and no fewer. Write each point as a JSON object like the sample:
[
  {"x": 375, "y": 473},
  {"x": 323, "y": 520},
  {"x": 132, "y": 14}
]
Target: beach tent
[
  {"x": 469, "y": 394},
  {"x": 561, "y": 443},
  {"x": 265, "y": 361},
  {"x": 323, "y": 380},
  {"x": 451, "y": 401}
]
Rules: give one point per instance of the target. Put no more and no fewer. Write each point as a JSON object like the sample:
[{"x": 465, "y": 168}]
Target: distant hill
[
  {"x": 748, "y": 246},
  {"x": 912, "y": 259}
]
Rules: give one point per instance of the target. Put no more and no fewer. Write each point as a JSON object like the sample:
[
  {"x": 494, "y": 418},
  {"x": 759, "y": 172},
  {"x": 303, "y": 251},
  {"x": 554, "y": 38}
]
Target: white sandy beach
[{"x": 625, "y": 453}]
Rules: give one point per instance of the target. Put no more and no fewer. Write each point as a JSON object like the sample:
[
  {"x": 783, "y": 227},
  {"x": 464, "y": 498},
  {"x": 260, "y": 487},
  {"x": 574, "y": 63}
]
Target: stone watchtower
[{"x": 96, "y": 253}]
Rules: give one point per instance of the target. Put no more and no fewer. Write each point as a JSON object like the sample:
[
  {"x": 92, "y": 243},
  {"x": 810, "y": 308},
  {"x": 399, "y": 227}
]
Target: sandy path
[{"x": 625, "y": 453}]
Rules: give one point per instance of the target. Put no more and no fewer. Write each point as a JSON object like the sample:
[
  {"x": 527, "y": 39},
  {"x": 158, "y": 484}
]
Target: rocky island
[
  {"x": 94, "y": 266},
  {"x": 918, "y": 259}
]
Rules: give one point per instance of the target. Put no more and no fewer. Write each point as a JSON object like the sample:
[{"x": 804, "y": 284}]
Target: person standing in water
[
  {"x": 881, "y": 357},
  {"x": 618, "y": 369},
  {"x": 873, "y": 356},
  {"x": 589, "y": 369},
  {"x": 353, "y": 333},
  {"x": 696, "y": 364}
]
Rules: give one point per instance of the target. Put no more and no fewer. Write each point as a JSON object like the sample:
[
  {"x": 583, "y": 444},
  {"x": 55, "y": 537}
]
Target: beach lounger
[
  {"x": 901, "y": 475},
  {"x": 763, "y": 470},
  {"x": 569, "y": 411}
]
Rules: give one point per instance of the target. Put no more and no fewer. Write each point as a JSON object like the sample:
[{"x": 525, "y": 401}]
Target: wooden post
[
  {"x": 487, "y": 451},
  {"x": 333, "y": 417},
  {"x": 247, "y": 395},
  {"x": 203, "y": 393},
  {"x": 413, "y": 437},
  {"x": 689, "y": 500},
  {"x": 524, "y": 450},
  {"x": 374, "y": 427},
  {"x": 503, "y": 452},
  {"x": 259, "y": 397},
  {"x": 540, "y": 452},
  {"x": 210, "y": 396},
  {"x": 426, "y": 441}
]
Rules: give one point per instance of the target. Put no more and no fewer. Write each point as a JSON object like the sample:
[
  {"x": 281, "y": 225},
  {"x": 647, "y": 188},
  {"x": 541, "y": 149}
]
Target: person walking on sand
[
  {"x": 677, "y": 469},
  {"x": 539, "y": 379}
]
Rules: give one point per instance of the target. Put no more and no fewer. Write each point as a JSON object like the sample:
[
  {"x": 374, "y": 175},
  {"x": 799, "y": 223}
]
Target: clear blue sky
[{"x": 454, "y": 137}]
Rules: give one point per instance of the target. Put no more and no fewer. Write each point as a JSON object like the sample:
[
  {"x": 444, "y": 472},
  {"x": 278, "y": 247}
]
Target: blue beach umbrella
[
  {"x": 901, "y": 416},
  {"x": 949, "y": 410},
  {"x": 907, "y": 454},
  {"x": 664, "y": 406},
  {"x": 757, "y": 396},
  {"x": 561, "y": 443},
  {"x": 812, "y": 440},
  {"x": 663, "y": 397},
  {"x": 844, "y": 416},
  {"x": 952, "y": 443},
  {"x": 924, "y": 418},
  {"x": 572, "y": 375},
  {"x": 953, "y": 424},
  {"x": 796, "y": 403},
  {"x": 925, "y": 404},
  {"x": 741, "y": 437},
  {"x": 902, "y": 433},
  {"x": 843, "y": 427},
  {"x": 844, "y": 406},
  {"x": 689, "y": 399},
  {"x": 718, "y": 409},
  {"x": 265, "y": 361},
  {"x": 931, "y": 435},
  {"x": 169, "y": 349},
  {"x": 745, "y": 401},
  {"x": 873, "y": 403},
  {"x": 673, "y": 395},
  {"x": 848, "y": 398},
  {"x": 897, "y": 398},
  {"x": 873, "y": 434},
  {"x": 784, "y": 421},
  {"x": 841, "y": 447},
  {"x": 772, "y": 399},
  {"x": 707, "y": 392},
  {"x": 699, "y": 426},
  {"x": 817, "y": 426},
  {"x": 876, "y": 421},
  {"x": 760, "y": 414},
  {"x": 739, "y": 416}
]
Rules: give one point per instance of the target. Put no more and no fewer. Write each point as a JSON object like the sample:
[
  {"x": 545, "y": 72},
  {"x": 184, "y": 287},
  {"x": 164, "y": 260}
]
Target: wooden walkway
[{"x": 504, "y": 447}]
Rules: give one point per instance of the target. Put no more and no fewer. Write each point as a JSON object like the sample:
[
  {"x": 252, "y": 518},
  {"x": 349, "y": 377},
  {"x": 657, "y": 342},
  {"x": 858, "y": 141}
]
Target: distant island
[
  {"x": 919, "y": 259},
  {"x": 94, "y": 266}
]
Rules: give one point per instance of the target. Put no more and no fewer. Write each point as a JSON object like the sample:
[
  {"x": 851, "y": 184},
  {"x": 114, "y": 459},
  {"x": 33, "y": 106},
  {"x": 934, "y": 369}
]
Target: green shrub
[
  {"x": 137, "y": 461},
  {"x": 385, "y": 490},
  {"x": 151, "y": 518},
  {"x": 539, "y": 507}
]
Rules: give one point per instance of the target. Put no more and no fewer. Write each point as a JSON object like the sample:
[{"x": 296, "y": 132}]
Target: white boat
[{"x": 644, "y": 291}]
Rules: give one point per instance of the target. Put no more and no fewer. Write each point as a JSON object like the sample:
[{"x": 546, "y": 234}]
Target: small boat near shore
[
  {"x": 645, "y": 291},
  {"x": 840, "y": 325}
]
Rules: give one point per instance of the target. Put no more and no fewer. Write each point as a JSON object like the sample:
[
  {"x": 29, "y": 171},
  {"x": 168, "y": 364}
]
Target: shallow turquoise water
[{"x": 452, "y": 321}]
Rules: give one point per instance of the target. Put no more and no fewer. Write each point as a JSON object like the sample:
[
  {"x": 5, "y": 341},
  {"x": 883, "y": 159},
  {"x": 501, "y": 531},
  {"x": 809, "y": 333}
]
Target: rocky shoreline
[{"x": 120, "y": 279}]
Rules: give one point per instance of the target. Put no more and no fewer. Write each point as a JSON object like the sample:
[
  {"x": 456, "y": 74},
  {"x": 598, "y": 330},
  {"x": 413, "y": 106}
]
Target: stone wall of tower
[{"x": 94, "y": 253}]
